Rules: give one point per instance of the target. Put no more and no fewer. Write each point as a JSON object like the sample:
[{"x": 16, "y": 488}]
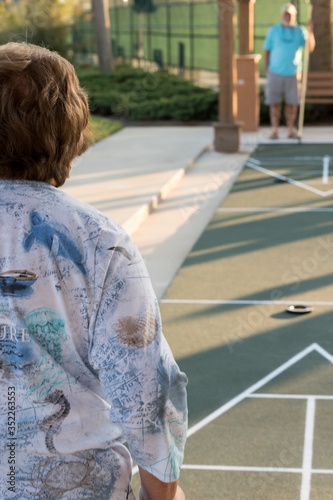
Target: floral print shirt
[{"x": 84, "y": 366}]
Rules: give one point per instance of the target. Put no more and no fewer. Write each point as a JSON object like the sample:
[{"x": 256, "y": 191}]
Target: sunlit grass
[{"x": 103, "y": 127}]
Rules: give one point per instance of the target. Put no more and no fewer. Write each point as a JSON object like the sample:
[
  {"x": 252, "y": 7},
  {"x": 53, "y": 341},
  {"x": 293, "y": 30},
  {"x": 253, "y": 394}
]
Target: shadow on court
[
  {"x": 219, "y": 374},
  {"x": 224, "y": 317},
  {"x": 251, "y": 235}
]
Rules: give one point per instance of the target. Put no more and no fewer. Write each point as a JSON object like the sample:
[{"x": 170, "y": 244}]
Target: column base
[{"x": 227, "y": 137}]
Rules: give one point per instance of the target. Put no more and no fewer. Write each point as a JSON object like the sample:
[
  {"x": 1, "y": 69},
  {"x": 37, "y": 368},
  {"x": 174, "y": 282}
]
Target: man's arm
[
  {"x": 312, "y": 41},
  {"x": 135, "y": 365},
  {"x": 154, "y": 489},
  {"x": 267, "y": 54}
]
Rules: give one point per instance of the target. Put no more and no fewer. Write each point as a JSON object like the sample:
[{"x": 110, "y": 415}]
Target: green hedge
[{"x": 135, "y": 94}]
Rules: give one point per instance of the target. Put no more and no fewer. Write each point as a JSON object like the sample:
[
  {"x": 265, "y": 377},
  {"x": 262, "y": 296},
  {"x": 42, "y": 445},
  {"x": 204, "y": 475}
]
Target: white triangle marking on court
[
  {"x": 324, "y": 353},
  {"x": 255, "y": 166},
  {"x": 255, "y": 387}
]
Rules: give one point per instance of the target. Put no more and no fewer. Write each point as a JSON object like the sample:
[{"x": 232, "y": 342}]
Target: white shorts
[{"x": 278, "y": 86}]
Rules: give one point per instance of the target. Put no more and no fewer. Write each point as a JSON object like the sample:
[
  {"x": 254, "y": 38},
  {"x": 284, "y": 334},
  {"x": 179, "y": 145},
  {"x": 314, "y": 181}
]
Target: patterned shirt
[{"x": 84, "y": 365}]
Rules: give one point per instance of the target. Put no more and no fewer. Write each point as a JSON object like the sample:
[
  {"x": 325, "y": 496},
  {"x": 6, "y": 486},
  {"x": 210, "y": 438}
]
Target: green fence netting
[{"x": 181, "y": 33}]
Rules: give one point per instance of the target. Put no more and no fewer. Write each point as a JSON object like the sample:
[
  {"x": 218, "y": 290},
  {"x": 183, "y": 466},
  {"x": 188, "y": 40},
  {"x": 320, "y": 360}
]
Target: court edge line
[
  {"x": 250, "y": 164},
  {"x": 290, "y": 396},
  {"x": 252, "y": 469},
  {"x": 241, "y": 468},
  {"x": 308, "y": 448},
  {"x": 284, "y": 142},
  {"x": 245, "y": 302},
  {"x": 233, "y": 402},
  {"x": 287, "y": 158}
]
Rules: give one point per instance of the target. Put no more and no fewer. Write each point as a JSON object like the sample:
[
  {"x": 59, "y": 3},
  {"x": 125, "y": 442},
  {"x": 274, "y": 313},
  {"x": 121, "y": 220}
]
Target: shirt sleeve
[
  {"x": 139, "y": 376},
  {"x": 303, "y": 36},
  {"x": 268, "y": 44}
]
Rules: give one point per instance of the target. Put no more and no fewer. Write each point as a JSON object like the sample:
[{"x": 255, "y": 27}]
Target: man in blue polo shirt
[{"x": 283, "y": 57}]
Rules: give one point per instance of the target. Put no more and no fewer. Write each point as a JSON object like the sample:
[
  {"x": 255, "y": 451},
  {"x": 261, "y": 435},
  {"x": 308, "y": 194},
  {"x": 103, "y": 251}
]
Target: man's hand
[
  {"x": 309, "y": 25},
  {"x": 178, "y": 496},
  {"x": 311, "y": 41},
  {"x": 267, "y": 55},
  {"x": 154, "y": 489}
]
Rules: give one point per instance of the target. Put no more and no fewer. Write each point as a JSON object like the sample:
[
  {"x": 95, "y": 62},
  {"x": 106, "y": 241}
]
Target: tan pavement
[{"x": 127, "y": 174}]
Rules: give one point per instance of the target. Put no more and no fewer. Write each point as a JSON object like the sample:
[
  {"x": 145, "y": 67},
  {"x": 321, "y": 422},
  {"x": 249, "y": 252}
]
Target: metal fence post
[
  {"x": 149, "y": 54},
  {"x": 131, "y": 7},
  {"x": 191, "y": 8},
  {"x": 181, "y": 58},
  {"x": 116, "y": 9},
  {"x": 169, "y": 35}
]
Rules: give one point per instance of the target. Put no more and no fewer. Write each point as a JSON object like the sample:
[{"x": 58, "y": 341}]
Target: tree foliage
[
  {"x": 144, "y": 6},
  {"x": 43, "y": 22}
]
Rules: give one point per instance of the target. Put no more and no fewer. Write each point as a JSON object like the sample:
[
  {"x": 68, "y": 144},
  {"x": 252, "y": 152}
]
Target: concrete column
[
  {"x": 246, "y": 26},
  {"x": 227, "y": 131}
]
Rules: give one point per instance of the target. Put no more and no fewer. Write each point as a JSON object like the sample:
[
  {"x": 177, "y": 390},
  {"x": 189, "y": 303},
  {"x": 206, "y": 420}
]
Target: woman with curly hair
[{"x": 84, "y": 365}]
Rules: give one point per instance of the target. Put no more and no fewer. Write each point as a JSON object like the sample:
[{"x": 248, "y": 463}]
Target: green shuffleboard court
[{"x": 260, "y": 378}]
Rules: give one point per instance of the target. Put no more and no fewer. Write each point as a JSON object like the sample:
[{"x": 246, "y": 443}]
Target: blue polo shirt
[{"x": 285, "y": 46}]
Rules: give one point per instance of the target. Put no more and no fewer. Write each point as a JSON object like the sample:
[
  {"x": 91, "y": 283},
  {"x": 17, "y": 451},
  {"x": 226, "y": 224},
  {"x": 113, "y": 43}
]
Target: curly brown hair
[{"x": 44, "y": 114}]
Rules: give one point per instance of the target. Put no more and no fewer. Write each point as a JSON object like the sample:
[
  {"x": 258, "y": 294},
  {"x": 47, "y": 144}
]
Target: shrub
[{"x": 139, "y": 95}]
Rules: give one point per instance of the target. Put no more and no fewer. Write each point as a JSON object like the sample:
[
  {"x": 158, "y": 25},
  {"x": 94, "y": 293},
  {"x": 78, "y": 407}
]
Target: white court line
[
  {"x": 270, "y": 142},
  {"x": 315, "y": 166},
  {"x": 253, "y": 160},
  {"x": 322, "y": 471},
  {"x": 289, "y": 396},
  {"x": 286, "y": 179},
  {"x": 240, "y": 468},
  {"x": 284, "y": 159},
  {"x": 246, "y": 302},
  {"x": 286, "y": 209},
  {"x": 308, "y": 449},
  {"x": 253, "y": 469},
  {"x": 253, "y": 388},
  {"x": 324, "y": 353},
  {"x": 326, "y": 167},
  {"x": 287, "y": 141}
]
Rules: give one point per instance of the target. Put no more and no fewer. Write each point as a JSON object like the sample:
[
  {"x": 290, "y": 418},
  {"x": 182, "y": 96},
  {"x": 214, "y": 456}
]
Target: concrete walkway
[
  {"x": 127, "y": 174},
  {"x": 140, "y": 172}
]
